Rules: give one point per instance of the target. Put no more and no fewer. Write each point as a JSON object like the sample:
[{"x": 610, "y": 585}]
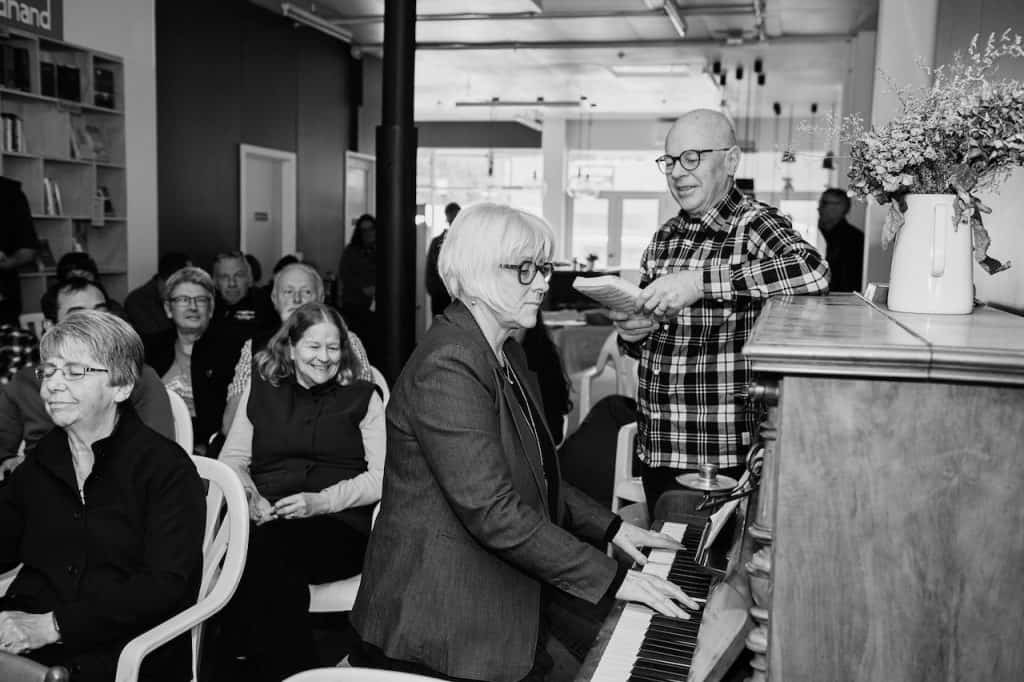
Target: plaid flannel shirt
[
  {"x": 691, "y": 367},
  {"x": 18, "y": 348}
]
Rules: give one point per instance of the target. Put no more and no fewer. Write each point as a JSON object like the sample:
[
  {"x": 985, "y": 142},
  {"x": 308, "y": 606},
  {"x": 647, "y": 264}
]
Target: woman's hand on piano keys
[
  {"x": 658, "y": 593},
  {"x": 631, "y": 538}
]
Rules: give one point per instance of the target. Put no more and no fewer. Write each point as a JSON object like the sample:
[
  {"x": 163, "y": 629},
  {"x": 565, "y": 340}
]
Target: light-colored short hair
[
  {"x": 483, "y": 237},
  {"x": 318, "y": 282},
  {"x": 190, "y": 275},
  {"x": 105, "y": 337}
]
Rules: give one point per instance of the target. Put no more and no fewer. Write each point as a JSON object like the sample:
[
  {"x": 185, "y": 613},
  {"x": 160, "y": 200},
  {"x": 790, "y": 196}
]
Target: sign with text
[{"x": 42, "y": 17}]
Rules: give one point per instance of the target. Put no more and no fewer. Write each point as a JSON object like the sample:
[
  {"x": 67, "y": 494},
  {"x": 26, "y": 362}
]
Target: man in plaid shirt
[{"x": 706, "y": 275}]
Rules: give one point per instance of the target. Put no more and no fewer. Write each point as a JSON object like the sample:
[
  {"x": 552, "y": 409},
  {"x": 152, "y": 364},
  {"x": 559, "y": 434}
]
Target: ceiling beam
[
  {"x": 617, "y": 44},
  {"x": 688, "y": 10}
]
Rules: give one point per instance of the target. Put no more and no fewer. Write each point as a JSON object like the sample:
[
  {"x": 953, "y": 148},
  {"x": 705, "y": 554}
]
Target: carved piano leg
[{"x": 759, "y": 568}]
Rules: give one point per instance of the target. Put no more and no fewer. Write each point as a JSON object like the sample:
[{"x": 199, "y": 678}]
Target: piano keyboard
[{"x": 646, "y": 646}]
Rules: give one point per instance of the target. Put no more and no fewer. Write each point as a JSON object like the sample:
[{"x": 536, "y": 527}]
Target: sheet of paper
[{"x": 609, "y": 290}]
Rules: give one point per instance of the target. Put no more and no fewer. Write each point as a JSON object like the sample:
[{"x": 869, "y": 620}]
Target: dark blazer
[
  {"x": 110, "y": 568},
  {"x": 464, "y": 541}
]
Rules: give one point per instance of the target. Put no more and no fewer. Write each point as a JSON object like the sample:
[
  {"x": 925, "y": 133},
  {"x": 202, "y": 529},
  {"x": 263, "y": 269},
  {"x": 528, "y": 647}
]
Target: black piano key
[
  {"x": 665, "y": 669},
  {"x": 667, "y": 645}
]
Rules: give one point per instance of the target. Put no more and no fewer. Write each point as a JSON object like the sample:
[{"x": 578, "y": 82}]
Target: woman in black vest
[{"x": 309, "y": 448}]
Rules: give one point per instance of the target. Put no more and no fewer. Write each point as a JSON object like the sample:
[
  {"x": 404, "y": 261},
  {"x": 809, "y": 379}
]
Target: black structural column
[{"x": 396, "y": 190}]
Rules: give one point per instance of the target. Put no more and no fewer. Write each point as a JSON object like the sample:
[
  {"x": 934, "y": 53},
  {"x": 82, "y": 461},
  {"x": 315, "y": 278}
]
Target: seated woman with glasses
[
  {"x": 477, "y": 526},
  {"x": 189, "y": 305},
  {"x": 308, "y": 444},
  {"x": 106, "y": 517}
]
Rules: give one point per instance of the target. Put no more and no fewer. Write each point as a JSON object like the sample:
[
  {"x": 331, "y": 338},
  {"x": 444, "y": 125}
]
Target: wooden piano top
[{"x": 843, "y": 334}]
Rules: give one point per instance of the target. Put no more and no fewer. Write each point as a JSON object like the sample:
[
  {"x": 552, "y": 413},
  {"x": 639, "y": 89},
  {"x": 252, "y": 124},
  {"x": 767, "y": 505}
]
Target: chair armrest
[{"x": 130, "y": 661}]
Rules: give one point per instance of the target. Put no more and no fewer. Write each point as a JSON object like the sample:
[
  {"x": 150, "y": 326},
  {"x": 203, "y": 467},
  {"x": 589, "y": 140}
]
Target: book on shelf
[
  {"x": 14, "y": 67},
  {"x": 52, "y": 202},
  {"x": 13, "y": 140},
  {"x": 81, "y": 140},
  {"x": 47, "y": 75}
]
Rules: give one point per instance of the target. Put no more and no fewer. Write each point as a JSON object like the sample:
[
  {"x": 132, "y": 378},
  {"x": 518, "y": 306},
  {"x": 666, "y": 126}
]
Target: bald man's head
[{"x": 710, "y": 134}]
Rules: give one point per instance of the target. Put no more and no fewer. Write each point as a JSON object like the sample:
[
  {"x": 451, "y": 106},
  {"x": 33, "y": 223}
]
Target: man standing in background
[
  {"x": 439, "y": 298},
  {"x": 844, "y": 243},
  {"x": 706, "y": 275},
  {"x": 18, "y": 244}
]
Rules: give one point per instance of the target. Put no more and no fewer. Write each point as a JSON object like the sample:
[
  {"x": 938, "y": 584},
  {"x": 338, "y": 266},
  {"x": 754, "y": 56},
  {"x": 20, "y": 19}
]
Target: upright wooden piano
[
  {"x": 892, "y": 499},
  {"x": 889, "y": 523}
]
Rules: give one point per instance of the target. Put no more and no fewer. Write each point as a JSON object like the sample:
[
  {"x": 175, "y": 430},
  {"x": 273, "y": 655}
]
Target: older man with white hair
[
  {"x": 706, "y": 275},
  {"x": 294, "y": 285}
]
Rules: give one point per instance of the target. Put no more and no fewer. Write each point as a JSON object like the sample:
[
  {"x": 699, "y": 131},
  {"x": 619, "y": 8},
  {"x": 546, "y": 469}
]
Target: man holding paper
[{"x": 705, "y": 276}]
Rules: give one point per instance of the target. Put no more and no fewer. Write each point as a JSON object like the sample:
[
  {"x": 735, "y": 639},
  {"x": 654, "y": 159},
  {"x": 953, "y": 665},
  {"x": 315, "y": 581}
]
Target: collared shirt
[
  {"x": 691, "y": 367},
  {"x": 18, "y": 348}
]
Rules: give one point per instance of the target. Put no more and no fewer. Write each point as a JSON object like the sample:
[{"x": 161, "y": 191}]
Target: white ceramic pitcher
[{"x": 932, "y": 268}]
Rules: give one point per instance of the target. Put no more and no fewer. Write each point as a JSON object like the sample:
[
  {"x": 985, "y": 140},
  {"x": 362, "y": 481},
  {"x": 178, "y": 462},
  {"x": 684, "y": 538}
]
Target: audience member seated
[
  {"x": 182, "y": 356},
  {"x": 588, "y": 455},
  {"x": 24, "y": 417},
  {"x": 106, "y": 518},
  {"x": 18, "y": 348},
  {"x": 237, "y": 306},
  {"x": 542, "y": 359},
  {"x": 357, "y": 273},
  {"x": 309, "y": 448},
  {"x": 144, "y": 307},
  {"x": 294, "y": 285},
  {"x": 81, "y": 264}
]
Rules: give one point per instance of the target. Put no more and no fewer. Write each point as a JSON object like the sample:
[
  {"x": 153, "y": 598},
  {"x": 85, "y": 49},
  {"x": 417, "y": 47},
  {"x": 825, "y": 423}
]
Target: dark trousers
[
  {"x": 366, "y": 655},
  {"x": 659, "y": 480},
  {"x": 269, "y": 615}
]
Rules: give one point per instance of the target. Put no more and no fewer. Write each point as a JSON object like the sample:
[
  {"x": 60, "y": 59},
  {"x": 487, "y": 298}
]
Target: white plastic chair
[
  {"x": 225, "y": 543},
  {"x": 627, "y": 488},
  {"x": 340, "y": 595},
  {"x": 355, "y": 675},
  {"x": 382, "y": 383},
  {"x": 182, "y": 421},
  {"x": 624, "y": 374}
]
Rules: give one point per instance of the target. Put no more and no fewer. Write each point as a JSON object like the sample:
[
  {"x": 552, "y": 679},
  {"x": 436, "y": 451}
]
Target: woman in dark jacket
[
  {"x": 309, "y": 448},
  {"x": 106, "y": 516},
  {"x": 476, "y": 521}
]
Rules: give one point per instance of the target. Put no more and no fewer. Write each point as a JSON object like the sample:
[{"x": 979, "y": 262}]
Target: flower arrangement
[{"x": 962, "y": 134}]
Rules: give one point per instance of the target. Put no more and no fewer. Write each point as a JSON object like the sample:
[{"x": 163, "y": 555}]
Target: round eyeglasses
[
  {"x": 528, "y": 271},
  {"x": 689, "y": 159},
  {"x": 72, "y": 371}
]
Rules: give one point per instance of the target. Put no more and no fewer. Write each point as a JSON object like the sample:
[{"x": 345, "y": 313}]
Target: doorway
[
  {"x": 267, "y": 211},
  {"x": 360, "y": 189}
]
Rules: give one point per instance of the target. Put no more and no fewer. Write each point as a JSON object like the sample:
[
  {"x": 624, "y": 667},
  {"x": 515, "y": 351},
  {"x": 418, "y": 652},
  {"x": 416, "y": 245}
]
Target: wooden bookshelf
[{"x": 69, "y": 101}]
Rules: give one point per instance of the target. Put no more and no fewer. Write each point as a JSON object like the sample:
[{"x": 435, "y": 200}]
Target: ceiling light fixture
[
  {"x": 678, "y": 23},
  {"x": 517, "y": 103},
  {"x": 315, "y": 21},
  {"x": 653, "y": 70}
]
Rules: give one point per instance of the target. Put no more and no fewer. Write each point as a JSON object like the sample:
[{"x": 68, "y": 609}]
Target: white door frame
[
  {"x": 359, "y": 156},
  {"x": 289, "y": 207}
]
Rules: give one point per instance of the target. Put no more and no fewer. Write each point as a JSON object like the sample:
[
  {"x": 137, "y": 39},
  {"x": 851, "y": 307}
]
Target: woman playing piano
[{"x": 475, "y": 519}]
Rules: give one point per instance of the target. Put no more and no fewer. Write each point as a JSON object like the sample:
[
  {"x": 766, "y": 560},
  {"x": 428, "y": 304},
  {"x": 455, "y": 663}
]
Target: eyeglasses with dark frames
[
  {"x": 186, "y": 301},
  {"x": 72, "y": 371},
  {"x": 689, "y": 159},
  {"x": 528, "y": 271}
]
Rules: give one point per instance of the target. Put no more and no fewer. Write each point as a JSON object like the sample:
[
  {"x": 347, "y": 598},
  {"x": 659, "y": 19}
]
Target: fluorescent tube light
[
  {"x": 315, "y": 21},
  {"x": 678, "y": 23}
]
